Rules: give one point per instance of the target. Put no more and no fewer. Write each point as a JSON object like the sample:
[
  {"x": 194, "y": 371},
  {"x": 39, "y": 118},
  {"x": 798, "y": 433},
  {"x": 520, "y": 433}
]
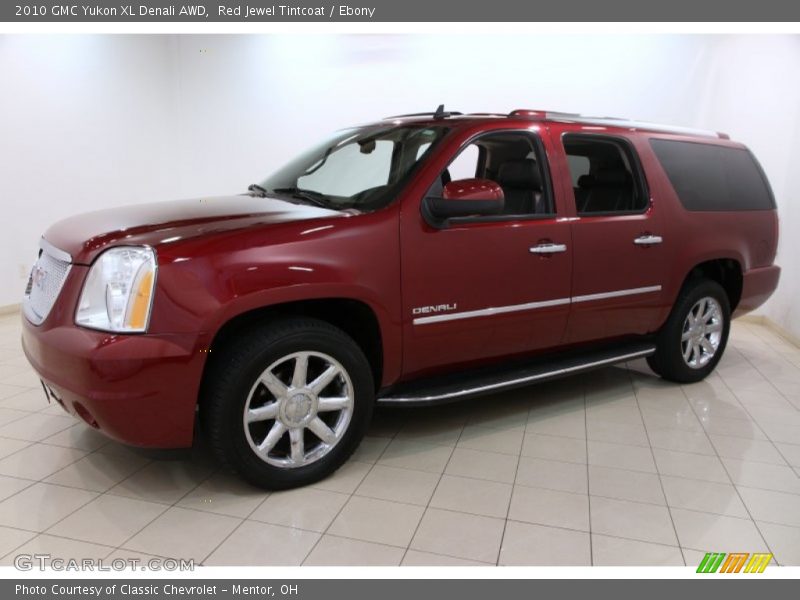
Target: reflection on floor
[{"x": 611, "y": 468}]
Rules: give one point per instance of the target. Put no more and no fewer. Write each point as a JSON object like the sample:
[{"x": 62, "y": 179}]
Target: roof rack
[
  {"x": 439, "y": 113},
  {"x": 541, "y": 114},
  {"x": 614, "y": 122}
]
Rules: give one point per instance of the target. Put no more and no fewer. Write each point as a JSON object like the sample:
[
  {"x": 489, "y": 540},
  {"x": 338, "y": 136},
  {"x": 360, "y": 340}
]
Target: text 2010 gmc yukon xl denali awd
[{"x": 420, "y": 259}]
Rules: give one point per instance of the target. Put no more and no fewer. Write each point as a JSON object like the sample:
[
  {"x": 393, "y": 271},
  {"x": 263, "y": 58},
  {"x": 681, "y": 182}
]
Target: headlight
[{"x": 118, "y": 291}]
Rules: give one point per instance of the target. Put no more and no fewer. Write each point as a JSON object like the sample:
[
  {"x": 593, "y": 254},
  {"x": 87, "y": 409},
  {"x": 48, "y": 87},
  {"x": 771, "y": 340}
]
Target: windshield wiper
[
  {"x": 311, "y": 196},
  {"x": 254, "y": 187}
]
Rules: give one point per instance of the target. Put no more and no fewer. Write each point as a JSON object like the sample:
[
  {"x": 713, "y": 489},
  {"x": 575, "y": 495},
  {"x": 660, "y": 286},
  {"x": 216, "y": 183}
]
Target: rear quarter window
[{"x": 711, "y": 177}]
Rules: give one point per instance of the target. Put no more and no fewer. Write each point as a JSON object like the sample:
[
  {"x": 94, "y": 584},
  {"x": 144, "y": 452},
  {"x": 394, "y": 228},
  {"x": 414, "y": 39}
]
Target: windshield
[{"x": 361, "y": 168}]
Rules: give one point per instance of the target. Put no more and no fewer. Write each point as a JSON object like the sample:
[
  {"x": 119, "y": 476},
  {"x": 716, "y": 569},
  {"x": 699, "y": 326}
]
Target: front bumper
[{"x": 138, "y": 389}]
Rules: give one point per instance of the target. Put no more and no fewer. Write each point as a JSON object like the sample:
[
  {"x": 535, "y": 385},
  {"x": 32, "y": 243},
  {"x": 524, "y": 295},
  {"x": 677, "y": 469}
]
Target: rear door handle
[
  {"x": 548, "y": 248},
  {"x": 648, "y": 240}
]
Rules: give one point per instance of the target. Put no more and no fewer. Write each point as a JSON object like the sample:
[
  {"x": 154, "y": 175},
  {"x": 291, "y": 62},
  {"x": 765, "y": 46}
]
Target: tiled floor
[{"x": 611, "y": 468}]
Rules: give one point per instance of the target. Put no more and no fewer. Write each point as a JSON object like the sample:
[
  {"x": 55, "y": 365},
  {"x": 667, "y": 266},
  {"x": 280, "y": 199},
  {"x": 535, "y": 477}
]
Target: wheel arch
[
  {"x": 355, "y": 317},
  {"x": 725, "y": 271}
]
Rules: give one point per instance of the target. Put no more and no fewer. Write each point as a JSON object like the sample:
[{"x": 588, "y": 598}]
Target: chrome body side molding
[
  {"x": 488, "y": 312},
  {"x": 616, "y": 294},
  {"x": 499, "y": 310}
]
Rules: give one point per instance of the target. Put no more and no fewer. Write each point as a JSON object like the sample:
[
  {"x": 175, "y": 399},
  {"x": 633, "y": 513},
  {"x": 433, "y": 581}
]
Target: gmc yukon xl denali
[{"x": 421, "y": 259}]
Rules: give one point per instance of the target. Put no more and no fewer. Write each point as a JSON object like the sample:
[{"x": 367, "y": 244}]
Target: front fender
[{"x": 204, "y": 284}]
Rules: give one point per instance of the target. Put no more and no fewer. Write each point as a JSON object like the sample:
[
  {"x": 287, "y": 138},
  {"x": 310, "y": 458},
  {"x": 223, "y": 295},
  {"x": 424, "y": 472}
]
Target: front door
[{"x": 490, "y": 287}]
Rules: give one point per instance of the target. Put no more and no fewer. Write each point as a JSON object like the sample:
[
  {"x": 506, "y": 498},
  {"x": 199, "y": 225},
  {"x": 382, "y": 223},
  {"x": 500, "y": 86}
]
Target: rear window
[{"x": 709, "y": 177}]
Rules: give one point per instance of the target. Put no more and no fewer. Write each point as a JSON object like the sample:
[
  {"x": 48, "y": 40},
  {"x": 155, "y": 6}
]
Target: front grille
[{"x": 45, "y": 282}]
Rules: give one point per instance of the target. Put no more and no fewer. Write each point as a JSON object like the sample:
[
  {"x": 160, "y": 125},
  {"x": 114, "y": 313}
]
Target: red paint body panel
[
  {"x": 222, "y": 257},
  {"x": 758, "y": 285},
  {"x": 141, "y": 389},
  {"x": 478, "y": 266}
]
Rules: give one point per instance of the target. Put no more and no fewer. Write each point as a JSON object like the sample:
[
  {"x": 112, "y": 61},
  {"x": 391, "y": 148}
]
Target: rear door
[
  {"x": 489, "y": 287},
  {"x": 620, "y": 254}
]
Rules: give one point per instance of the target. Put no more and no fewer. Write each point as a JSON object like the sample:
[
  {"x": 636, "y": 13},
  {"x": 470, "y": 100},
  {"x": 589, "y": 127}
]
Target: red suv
[{"x": 421, "y": 259}]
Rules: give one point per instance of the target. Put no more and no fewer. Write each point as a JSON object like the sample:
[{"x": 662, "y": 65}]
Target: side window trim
[
  {"x": 640, "y": 180},
  {"x": 542, "y": 159}
]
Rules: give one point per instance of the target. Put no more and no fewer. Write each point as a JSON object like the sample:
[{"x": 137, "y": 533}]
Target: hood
[{"x": 84, "y": 236}]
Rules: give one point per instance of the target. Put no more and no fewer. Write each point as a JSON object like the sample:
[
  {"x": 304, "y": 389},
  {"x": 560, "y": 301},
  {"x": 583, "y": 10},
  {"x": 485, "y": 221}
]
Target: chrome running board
[{"x": 476, "y": 383}]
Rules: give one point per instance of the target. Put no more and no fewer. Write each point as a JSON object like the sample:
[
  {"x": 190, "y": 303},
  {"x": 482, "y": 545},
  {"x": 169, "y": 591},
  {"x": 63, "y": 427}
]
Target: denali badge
[{"x": 424, "y": 310}]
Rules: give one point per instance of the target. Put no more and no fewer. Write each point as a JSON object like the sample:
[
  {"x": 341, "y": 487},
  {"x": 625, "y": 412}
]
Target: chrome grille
[{"x": 45, "y": 282}]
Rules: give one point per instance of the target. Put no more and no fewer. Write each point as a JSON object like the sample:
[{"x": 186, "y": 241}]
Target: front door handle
[
  {"x": 648, "y": 240},
  {"x": 548, "y": 248}
]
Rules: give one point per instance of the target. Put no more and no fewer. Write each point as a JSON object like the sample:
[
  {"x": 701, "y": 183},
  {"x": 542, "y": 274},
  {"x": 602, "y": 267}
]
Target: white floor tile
[
  {"x": 41, "y": 505},
  {"x": 612, "y": 552},
  {"x": 771, "y": 506},
  {"x": 336, "y": 551},
  {"x": 551, "y": 447},
  {"x": 459, "y": 535},
  {"x": 184, "y": 533},
  {"x": 482, "y": 465},
  {"x": 302, "y": 508},
  {"x": 784, "y": 541},
  {"x": 550, "y": 507},
  {"x": 398, "y": 485},
  {"x": 703, "y": 496},
  {"x": 225, "y": 494},
  {"x": 709, "y": 533},
  {"x": 632, "y": 520},
  {"x": 691, "y": 466},
  {"x": 38, "y": 461},
  {"x": 625, "y": 485},
  {"x": 555, "y": 475},
  {"x": 476, "y": 496},
  {"x": 108, "y": 520},
  {"x": 417, "y": 558},
  {"x": 631, "y": 458},
  {"x": 256, "y": 544},
  {"x": 526, "y": 544},
  {"x": 377, "y": 521}
]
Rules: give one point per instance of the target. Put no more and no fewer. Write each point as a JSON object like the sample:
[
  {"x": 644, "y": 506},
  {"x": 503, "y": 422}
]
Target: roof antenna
[{"x": 440, "y": 114}]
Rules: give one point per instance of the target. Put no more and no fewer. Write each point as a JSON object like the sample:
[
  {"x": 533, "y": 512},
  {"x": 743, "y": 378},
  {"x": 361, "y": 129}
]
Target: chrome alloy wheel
[
  {"x": 298, "y": 409},
  {"x": 702, "y": 332}
]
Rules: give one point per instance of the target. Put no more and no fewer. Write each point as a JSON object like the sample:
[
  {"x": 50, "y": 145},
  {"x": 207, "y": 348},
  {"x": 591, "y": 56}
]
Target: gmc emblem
[{"x": 38, "y": 276}]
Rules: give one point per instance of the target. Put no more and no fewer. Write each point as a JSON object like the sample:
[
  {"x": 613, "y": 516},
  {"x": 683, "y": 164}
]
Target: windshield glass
[{"x": 361, "y": 168}]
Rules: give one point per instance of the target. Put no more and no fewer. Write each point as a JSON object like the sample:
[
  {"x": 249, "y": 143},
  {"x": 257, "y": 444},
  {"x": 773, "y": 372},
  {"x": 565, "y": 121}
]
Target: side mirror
[{"x": 467, "y": 198}]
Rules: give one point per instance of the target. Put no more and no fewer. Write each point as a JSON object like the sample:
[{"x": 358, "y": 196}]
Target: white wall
[
  {"x": 84, "y": 123},
  {"x": 103, "y": 121},
  {"x": 248, "y": 101}
]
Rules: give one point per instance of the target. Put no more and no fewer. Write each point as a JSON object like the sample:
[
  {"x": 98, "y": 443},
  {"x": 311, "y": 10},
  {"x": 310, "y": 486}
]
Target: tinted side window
[
  {"x": 710, "y": 177},
  {"x": 605, "y": 176}
]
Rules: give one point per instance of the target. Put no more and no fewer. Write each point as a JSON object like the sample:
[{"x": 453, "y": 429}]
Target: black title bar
[{"x": 401, "y": 10}]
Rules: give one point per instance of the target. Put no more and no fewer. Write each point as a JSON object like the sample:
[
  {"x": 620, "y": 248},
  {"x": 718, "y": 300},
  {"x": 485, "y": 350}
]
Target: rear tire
[
  {"x": 286, "y": 404},
  {"x": 693, "y": 340}
]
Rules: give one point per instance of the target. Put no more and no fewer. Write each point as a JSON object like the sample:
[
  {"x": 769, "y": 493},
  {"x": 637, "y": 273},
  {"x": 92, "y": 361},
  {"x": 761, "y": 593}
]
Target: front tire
[
  {"x": 693, "y": 339},
  {"x": 288, "y": 403}
]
